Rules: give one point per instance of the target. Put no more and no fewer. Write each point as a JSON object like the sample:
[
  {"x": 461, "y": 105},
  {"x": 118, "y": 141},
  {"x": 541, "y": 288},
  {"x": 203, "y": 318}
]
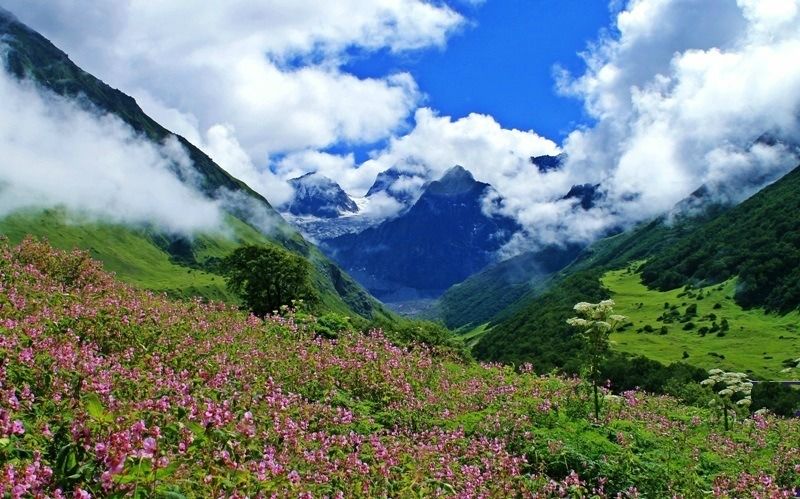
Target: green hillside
[
  {"x": 702, "y": 326},
  {"x": 145, "y": 257},
  {"x": 112, "y": 392},
  {"x": 482, "y": 296},
  {"x": 752, "y": 241},
  {"x": 759, "y": 242}
]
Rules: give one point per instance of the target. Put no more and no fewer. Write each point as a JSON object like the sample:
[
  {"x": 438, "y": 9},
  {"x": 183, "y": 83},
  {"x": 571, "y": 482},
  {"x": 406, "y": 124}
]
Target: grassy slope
[
  {"x": 129, "y": 252},
  {"x": 756, "y": 342},
  {"x": 533, "y": 329},
  {"x": 482, "y": 296},
  {"x": 136, "y": 259},
  {"x": 758, "y": 241},
  {"x": 117, "y": 373}
]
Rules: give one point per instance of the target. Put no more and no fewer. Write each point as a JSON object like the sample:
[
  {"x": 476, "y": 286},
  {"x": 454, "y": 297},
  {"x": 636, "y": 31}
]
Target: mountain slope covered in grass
[
  {"x": 143, "y": 255},
  {"x": 111, "y": 391},
  {"x": 482, "y": 296},
  {"x": 744, "y": 241}
]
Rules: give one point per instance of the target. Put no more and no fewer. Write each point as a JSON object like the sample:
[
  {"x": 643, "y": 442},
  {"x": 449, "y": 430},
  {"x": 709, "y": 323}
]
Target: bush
[{"x": 268, "y": 277}]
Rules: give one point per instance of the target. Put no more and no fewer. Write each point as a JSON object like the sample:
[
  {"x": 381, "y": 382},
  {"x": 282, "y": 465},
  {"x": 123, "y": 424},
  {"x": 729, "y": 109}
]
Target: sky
[
  {"x": 649, "y": 99},
  {"x": 502, "y": 62}
]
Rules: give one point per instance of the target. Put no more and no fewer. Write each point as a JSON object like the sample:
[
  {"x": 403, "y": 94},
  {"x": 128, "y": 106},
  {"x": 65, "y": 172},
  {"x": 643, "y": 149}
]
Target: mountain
[
  {"x": 482, "y": 296},
  {"x": 318, "y": 196},
  {"x": 547, "y": 163},
  {"x": 145, "y": 256},
  {"x": 445, "y": 237},
  {"x": 710, "y": 288},
  {"x": 402, "y": 186},
  {"x": 585, "y": 194}
]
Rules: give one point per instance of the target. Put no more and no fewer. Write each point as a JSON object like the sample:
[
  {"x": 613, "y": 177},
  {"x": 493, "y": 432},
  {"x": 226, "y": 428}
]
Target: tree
[
  {"x": 596, "y": 323},
  {"x": 268, "y": 277}
]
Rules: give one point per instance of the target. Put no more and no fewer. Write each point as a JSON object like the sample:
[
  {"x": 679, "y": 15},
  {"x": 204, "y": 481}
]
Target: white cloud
[
  {"x": 493, "y": 154},
  {"x": 679, "y": 102},
  {"x": 268, "y": 70},
  {"x": 57, "y": 154}
]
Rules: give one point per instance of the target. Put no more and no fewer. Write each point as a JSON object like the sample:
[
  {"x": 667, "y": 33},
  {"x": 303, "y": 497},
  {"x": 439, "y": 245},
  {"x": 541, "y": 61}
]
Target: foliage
[
  {"x": 479, "y": 298},
  {"x": 758, "y": 241},
  {"x": 776, "y": 397},
  {"x": 755, "y": 342},
  {"x": 108, "y": 391},
  {"x": 406, "y": 332},
  {"x": 731, "y": 392},
  {"x": 539, "y": 333},
  {"x": 268, "y": 277},
  {"x": 595, "y": 322}
]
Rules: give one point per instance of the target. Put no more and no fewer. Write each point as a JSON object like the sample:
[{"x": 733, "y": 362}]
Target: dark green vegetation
[
  {"x": 268, "y": 277},
  {"x": 754, "y": 241},
  {"x": 759, "y": 241},
  {"x": 482, "y": 296},
  {"x": 143, "y": 255}
]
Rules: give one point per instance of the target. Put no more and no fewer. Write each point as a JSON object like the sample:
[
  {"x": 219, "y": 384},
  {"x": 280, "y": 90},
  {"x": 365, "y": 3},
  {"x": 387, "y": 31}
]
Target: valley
[{"x": 469, "y": 249}]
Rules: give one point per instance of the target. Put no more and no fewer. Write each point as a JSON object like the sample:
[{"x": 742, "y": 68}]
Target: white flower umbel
[
  {"x": 595, "y": 322},
  {"x": 735, "y": 391}
]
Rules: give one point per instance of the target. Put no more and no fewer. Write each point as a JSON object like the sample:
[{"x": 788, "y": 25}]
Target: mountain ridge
[
  {"x": 442, "y": 239},
  {"x": 32, "y": 57}
]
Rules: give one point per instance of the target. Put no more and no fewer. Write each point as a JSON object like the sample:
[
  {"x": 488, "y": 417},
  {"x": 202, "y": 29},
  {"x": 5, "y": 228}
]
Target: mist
[{"x": 57, "y": 153}]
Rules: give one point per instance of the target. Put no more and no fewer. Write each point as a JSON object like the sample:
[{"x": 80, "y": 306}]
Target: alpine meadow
[{"x": 400, "y": 248}]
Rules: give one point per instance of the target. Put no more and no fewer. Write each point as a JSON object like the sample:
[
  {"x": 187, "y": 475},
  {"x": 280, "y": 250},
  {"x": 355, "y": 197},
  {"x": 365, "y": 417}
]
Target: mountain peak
[
  {"x": 319, "y": 196},
  {"x": 456, "y": 180},
  {"x": 457, "y": 173}
]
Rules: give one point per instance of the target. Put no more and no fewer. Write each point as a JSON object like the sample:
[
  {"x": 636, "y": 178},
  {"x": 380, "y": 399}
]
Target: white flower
[{"x": 578, "y": 322}]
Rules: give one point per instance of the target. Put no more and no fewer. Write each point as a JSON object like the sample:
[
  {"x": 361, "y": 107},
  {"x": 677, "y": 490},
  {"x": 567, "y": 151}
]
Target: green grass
[
  {"x": 756, "y": 342},
  {"x": 136, "y": 258},
  {"x": 472, "y": 336},
  {"x": 130, "y": 253}
]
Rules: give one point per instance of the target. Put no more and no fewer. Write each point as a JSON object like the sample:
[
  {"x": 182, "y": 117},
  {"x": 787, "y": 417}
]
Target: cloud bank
[
  {"x": 679, "y": 101},
  {"x": 250, "y": 79},
  {"x": 56, "y": 154},
  {"x": 679, "y": 94}
]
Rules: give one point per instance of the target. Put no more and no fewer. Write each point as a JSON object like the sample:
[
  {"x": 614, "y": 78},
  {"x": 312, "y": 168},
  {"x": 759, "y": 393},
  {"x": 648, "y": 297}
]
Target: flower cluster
[
  {"x": 736, "y": 386},
  {"x": 110, "y": 391}
]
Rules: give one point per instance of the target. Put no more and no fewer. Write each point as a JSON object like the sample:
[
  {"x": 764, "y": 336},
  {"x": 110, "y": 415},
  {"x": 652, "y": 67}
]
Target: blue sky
[{"x": 502, "y": 63}]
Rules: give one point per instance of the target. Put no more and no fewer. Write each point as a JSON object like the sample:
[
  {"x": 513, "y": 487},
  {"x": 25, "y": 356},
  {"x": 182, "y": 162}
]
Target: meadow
[
  {"x": 110, "y": 391},
  {"x": 715, "y": 333}
]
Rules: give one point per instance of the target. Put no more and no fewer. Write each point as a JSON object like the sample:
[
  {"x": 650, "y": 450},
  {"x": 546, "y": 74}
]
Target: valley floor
[{"x": 753, "y": 341}]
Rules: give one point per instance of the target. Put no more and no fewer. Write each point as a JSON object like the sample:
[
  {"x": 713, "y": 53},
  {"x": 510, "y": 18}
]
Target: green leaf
[{"x": 95, "y": 408}]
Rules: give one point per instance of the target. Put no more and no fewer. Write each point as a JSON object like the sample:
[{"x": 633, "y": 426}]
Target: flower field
[{"x": 109, "y": 391}]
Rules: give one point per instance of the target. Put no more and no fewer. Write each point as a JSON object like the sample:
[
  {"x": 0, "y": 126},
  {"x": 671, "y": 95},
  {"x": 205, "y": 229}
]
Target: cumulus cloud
[
  {"x": 678, "y": 102},
  {"x": 493, "y": 154},
  {"x": 263, "y": 77},
  {"x": 57, "y": 154}
]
